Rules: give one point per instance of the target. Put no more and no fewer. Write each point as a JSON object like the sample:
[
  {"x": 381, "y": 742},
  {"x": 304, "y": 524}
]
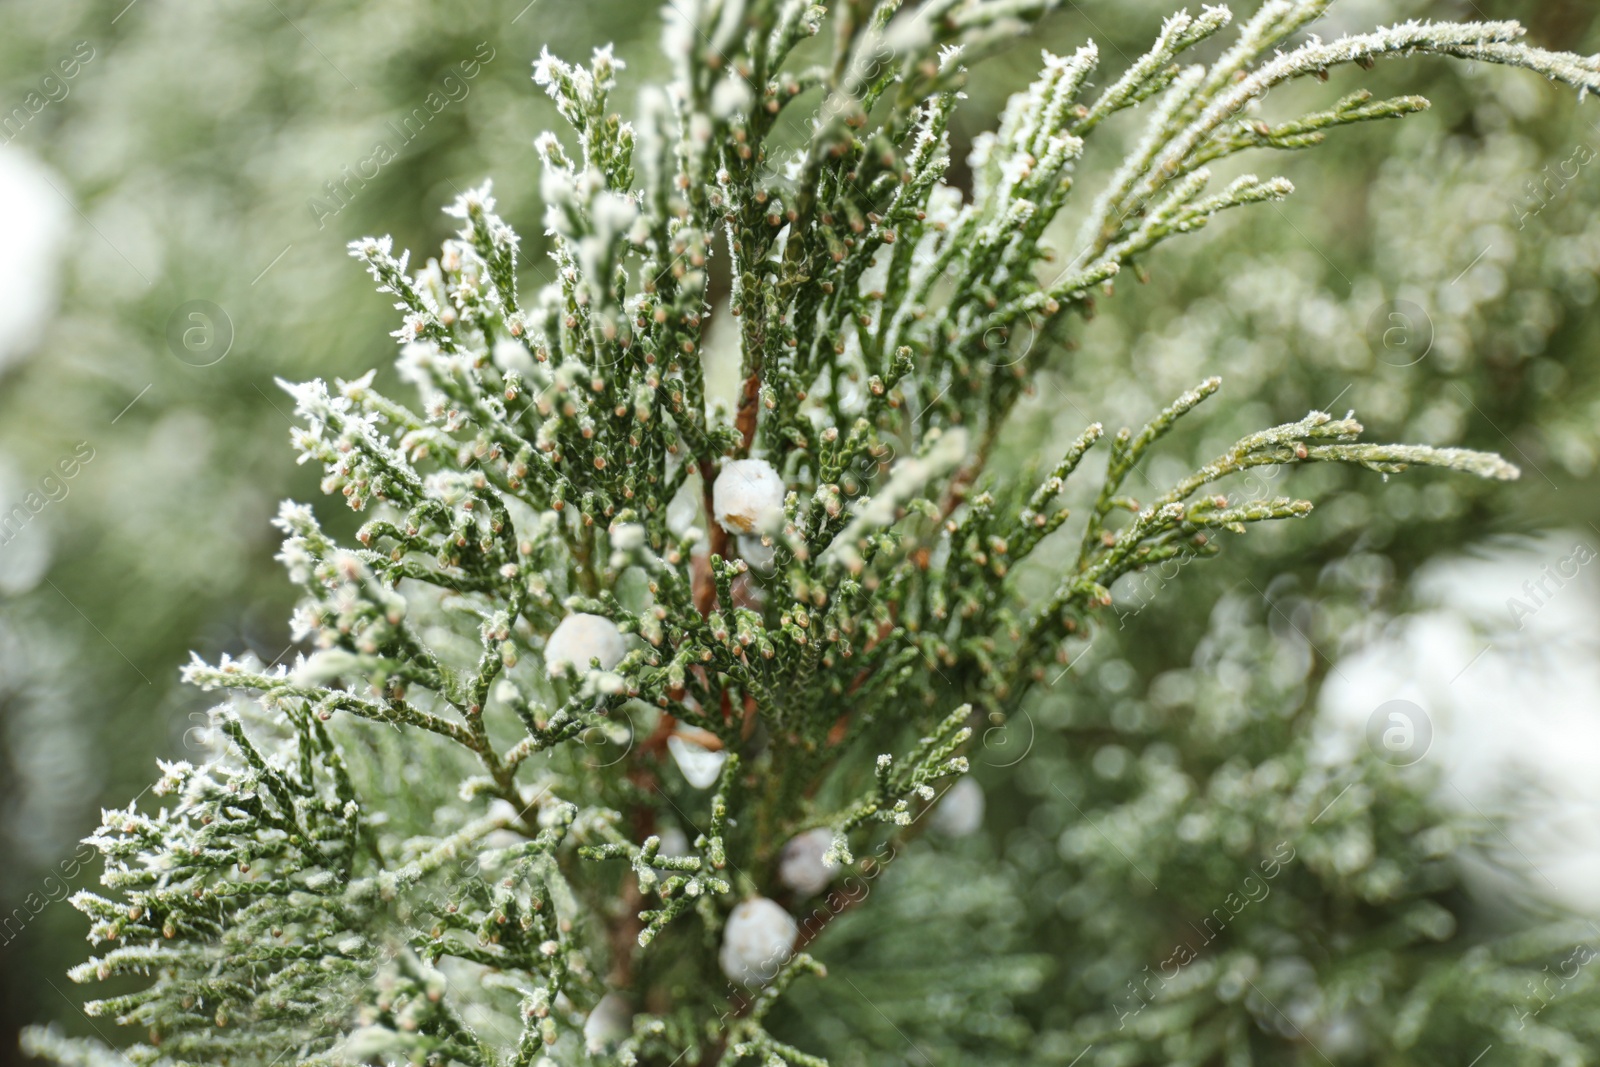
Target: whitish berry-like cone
[
  {"x": 802, "y": 867},
  {"x": 580, "y": 638},
  {"x": 960, "y": 811},
  {"x": 609, "y": 1022},
  {"x": 674, "y": 842},
  {"x": 700, "y": 766},
  {"x": 747, "y": 496},
  {"x": 757, "y": 940}
]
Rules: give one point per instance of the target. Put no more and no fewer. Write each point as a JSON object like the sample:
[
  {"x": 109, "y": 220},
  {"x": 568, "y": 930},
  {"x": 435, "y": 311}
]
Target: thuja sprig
[
  {"x": 1175, "y": 523},
  {"x": 543, "y": 665}
]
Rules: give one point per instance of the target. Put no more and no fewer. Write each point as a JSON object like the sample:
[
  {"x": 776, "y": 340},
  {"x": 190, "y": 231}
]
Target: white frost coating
[
  {"x": 371, "y": 1042},
  {"x": 700, "y": 766},
  {"x": 757, "y": 941},
  {"x": 730, "y": 97},
  {"x": 748, "y": 496},
  {"x": 803, "y": 865},
  {"x": 326, "y": 666},
  {"x": 960, "y": 812},
  {"x": 609, "y": 1022},
  {"x": 580, "y": 638},
  {"x": 1488, "y": 41},
  {"x": 628, "y": 537},
  {"x": 511, "y": 355}
]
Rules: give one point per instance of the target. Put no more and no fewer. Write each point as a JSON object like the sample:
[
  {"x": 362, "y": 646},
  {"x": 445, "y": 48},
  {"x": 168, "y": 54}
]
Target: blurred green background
[{"x": 184, "y": 168}]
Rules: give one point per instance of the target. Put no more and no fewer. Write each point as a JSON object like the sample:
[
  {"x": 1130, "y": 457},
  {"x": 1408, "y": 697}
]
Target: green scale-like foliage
[{"x": 464, "y": 876}]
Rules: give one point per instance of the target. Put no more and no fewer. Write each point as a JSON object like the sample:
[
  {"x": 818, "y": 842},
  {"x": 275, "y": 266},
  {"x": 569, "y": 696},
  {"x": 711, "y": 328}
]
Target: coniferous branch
[{"x": 523, "y": 589}]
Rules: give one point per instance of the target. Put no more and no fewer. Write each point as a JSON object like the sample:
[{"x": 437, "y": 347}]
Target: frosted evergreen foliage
[{"x": 438, "y": 836}]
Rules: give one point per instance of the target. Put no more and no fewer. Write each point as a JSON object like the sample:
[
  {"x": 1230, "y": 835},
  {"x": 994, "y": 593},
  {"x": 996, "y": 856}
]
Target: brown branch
[
  {"x": 623, "y": 934},
  {"x": 656, "y": 743},
  {"x": 701, "y": 578},
  {"x": 749, "y": 407}
]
